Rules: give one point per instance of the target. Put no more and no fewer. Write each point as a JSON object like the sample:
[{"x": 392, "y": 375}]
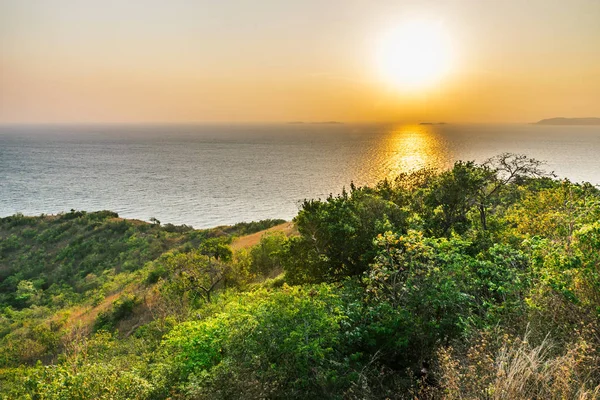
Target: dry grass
[
  {"x": 83, "y": 317},
  {"x": 247, "y": 241},
  {"x": 520, "y": 370}
]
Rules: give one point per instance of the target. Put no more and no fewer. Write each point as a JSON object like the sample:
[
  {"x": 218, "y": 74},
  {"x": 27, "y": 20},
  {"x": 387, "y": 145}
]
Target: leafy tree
[
  {"x": 120, "y": 309},
  {"x": 421, "y": 289},
  {"x": 216, "y": 248},
  {"x": 194, "y": 274},
  {"x": 336, "y": 235},
  {"x": 498, "y": 173},
  {"x": 425, "y": 292},
  {"x": 267, "y": 256},
  {"x": 467, "y": 185},
  {"x": 450, "y": 197}
]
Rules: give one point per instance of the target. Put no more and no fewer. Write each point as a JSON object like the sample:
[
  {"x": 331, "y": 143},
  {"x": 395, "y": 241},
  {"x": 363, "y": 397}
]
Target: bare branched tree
[
  {"x": 510, "y": 166},
  {"x": 504, "y": 169}
]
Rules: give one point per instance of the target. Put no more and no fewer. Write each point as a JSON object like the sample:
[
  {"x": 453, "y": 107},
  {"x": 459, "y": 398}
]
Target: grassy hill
[{"x": 68, "y": 271}]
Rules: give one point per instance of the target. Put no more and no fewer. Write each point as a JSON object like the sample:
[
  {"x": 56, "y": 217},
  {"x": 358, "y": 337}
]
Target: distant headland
[
  {"x": 432, "y": 123},
  {"x": 569, "y": 121}
]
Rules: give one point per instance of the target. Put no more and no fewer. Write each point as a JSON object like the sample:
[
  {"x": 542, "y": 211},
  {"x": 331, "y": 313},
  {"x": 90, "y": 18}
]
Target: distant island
[
  {"x": 432, "y": 123},
  {"x": 569, "y": 121},
  {"x": 316, "y": 123}
]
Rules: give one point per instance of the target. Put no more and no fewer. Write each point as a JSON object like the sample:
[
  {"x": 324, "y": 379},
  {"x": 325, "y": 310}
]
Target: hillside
[
  {"x": 482, "y": 281},
  {"x": 75, "y": 267}
]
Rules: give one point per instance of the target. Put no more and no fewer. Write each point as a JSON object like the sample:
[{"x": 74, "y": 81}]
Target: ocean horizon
[{"x": 206, "y": 175}]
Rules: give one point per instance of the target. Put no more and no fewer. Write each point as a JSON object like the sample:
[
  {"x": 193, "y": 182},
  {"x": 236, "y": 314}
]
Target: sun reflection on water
[{"x": 413, "y": 147}]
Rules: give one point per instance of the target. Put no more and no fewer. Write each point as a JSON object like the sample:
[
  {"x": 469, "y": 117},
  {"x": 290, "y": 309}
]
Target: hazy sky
[{"x": 266, "y": 60}]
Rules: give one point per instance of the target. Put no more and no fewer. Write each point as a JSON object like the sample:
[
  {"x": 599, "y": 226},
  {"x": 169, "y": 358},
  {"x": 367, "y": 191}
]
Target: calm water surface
[{"x": 211, "y": 175}]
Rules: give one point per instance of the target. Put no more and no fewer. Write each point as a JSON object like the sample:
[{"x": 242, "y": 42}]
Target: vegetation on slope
[{"x": 482, "y": 281}]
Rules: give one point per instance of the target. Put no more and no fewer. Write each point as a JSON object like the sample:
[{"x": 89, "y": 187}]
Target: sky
[{"x": 171, "y": 61}]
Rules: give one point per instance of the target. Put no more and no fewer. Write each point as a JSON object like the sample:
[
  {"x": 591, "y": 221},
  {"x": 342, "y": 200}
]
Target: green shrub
[{"x": 284, "y": 342}]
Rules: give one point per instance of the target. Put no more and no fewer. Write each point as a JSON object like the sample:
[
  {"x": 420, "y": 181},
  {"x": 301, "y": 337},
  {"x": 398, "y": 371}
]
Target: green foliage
[
  {"x": 217, "y": 248},
  {"x": 91, "y": 381},
  {"x": 100, "y": 367},
  {"x": 120, "y": 309},
  {"x": 450, "y": 197},
  {"x": 266, "y": 343},
  {"x": 193, "y": 275},
  {"x": 71, "y": 248},
  {"x": 27, "y": 294},
  {"x": 337, "y": 235},
  {"x": 266, "y": 258},
  {"x": 420, "y": 294},
  {"x": 417, "y": 287},
  {"x": 54, "y": 266},
  {"x": 556, "y": 212}
]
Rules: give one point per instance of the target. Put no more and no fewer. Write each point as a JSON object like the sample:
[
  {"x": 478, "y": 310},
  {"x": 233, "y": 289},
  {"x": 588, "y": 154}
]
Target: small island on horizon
[
  {"x": 316, "y": 123},
  {"x": 432, "y": 123},
  {"x": 568, "y": 121}
]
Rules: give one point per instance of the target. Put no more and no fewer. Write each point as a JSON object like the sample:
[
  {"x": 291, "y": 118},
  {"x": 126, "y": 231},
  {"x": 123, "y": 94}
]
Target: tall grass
[{"x": 519, "y": 370}]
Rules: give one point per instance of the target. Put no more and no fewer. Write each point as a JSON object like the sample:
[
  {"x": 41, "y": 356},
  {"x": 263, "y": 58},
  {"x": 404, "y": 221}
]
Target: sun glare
[{"x": 414, "y": 55}]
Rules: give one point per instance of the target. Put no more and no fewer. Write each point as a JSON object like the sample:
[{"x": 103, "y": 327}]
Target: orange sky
[{"x": 276, "y": 61}]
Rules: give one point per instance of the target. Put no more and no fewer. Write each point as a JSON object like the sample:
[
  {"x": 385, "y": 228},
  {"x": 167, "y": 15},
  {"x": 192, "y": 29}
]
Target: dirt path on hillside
[{"x": 250, "y": 240}]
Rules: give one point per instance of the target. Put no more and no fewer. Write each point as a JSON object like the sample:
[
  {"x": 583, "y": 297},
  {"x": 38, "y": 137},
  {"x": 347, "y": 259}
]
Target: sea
[{"x": 210, "y": 175}]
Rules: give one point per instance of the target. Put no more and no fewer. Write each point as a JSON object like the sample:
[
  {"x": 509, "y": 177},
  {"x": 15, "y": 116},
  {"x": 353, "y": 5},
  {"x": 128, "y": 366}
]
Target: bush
[
  {"x": 336, "y": 235},
  {"x": 283, "y": 343},
  {"x": 267, "y": 256}
]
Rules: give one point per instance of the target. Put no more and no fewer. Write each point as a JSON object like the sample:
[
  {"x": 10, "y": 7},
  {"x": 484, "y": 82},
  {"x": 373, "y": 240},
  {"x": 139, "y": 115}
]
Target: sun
[{"x": 414, "y": 55}]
